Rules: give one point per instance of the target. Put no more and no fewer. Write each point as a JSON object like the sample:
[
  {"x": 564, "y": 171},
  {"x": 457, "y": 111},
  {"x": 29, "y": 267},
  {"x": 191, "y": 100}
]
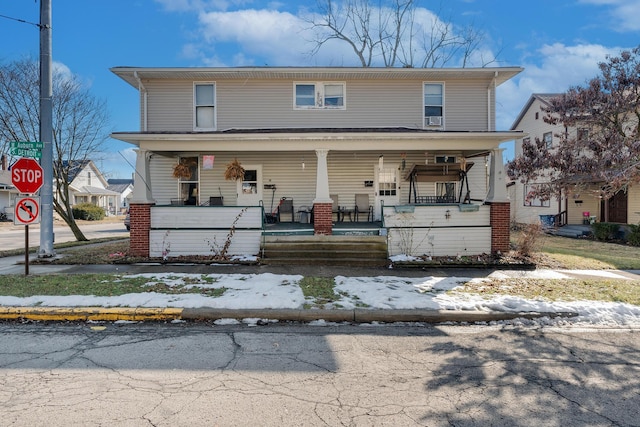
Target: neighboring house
[
  {"x": 124, "y": 188},
  {"x": 87, "y": 185},
  {"x": 420, "y": 144},
  {"x": 581, "y": 208},
  {"x": 8, "y": 192}
]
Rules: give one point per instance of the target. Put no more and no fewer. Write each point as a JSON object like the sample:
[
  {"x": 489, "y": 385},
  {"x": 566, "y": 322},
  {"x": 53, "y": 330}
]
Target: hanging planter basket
[
  {"x": 183, "y": 170},
  {"x": 234, "y": 171}
]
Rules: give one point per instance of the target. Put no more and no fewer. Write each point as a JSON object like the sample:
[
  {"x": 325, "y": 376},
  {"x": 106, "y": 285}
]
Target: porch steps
[
  {"x": 360, "y": 251},
  {"x": 572, "y": 231}
]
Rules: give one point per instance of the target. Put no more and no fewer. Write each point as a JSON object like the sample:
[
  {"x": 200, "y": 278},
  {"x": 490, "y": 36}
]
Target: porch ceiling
[{"x": 301, "y": 140}]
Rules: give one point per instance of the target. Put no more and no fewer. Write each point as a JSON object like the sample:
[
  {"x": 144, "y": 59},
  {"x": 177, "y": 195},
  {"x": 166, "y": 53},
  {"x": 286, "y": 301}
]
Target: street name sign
[{"x": 26, "y": 149}]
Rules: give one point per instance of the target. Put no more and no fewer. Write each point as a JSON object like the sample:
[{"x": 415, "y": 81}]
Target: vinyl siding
[
  {"x": 269, "y": 104},
  {"x": 348, "y": 172},
  {"x": 633, "y": 214}
]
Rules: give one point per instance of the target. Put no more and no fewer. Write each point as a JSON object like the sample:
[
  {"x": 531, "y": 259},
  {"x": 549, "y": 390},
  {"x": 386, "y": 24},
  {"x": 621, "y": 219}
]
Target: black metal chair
[
  {"x": 285, "y": 210},
  {"x": 362, "y": 206}
]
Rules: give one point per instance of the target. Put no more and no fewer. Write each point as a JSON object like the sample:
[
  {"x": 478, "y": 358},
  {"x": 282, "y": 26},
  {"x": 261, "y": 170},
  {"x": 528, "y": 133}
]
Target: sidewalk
[{"x": 254, "y": 293}]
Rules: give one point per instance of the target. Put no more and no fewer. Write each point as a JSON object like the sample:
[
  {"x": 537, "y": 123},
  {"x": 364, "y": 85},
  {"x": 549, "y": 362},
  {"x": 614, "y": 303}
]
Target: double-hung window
[
  {"x": 204, "y": 106},
  {"x": 433, "y": 104},
  {"x": 319, "y": 95}
]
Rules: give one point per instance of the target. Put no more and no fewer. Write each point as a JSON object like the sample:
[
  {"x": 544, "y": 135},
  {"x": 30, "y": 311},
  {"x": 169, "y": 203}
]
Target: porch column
[
  {"x": 322, "y": 204},
  {"x": 500, "y": 215},
  {"x": 140, "y": 206}
]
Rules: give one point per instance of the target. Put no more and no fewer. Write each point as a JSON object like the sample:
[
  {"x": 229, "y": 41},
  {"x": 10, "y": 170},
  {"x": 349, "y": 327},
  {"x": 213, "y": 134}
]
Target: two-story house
[
  {"x": 581, "y": 207},
  {"x": 418, "y": 145},
  {"x": 88, "y": 185}
]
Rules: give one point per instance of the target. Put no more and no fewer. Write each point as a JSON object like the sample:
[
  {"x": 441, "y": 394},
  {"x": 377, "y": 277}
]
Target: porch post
[
  {"x": 322, "y": 204},
  {"x": 140, "y": 206},
  {"x": 500, "y": 215}
]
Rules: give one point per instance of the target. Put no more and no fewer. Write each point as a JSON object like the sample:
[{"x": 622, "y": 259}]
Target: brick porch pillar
[
  {"x": 322, "y": 204},
  {"x": 140, "y": 219},
  {"x": 140, "y": 206},
  {"x": 322, "y": 218},
  {"x": 500, "y": 216}
]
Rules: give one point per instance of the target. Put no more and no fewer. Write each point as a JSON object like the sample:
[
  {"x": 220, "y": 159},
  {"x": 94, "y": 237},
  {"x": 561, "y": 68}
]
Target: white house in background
[
  {"x": 8, "y": 192},
  {"x": 417, "y": 147},
  {"x": 124, "y": 187},
  {"x": 581, "y": 208},
  {"x": 87, "y": 185}
]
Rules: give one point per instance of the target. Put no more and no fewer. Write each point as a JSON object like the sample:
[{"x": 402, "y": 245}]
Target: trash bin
[
  {"x": 304, "y": 215},
  {"x": 547, "y": 221}
]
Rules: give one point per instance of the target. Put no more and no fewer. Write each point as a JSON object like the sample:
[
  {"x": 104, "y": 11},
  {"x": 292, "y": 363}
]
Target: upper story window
[
  {"x": 547, "y": 137},
  {"x": 433, "y": 104},
  {"x": 320, "y": 95},
  {"x": 204, "y": 106}
]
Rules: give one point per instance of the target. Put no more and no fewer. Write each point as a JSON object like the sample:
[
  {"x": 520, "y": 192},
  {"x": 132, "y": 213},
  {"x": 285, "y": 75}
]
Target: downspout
[
  {"x": 141, "y": 88},
  {"x": 491, "y": 85}
]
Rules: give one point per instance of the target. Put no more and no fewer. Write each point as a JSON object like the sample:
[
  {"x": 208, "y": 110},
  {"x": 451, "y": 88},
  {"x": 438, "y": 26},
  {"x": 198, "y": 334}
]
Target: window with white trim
[
  {"x": 204, "y": 105},
  {"x": 547, "y": 137},
  {"x": 445, "y": 159},
  {"x": 319, "y": 95},
  {"x": 433, "y": 104}
]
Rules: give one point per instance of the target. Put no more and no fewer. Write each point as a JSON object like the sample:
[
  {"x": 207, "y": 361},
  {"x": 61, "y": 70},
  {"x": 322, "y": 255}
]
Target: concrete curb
[{"x": 293, "y": 315}]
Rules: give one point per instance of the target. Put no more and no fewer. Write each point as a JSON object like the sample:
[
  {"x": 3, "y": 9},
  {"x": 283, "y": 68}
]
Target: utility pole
[{"x": 46, "y": 132}]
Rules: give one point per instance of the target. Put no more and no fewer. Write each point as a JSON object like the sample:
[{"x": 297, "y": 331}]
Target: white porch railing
[
  {"x": 438, "y": 230},
  {"x": 205, "y": 231}
]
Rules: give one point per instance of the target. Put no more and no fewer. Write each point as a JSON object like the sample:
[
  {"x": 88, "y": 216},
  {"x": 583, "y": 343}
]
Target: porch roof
[{"x": 337, "y": 139}]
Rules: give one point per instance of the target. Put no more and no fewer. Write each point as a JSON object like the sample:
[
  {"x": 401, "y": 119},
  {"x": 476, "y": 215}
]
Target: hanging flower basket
[
  {"x": 234, "y": 171},
  {"x": 183, "y": 169}
]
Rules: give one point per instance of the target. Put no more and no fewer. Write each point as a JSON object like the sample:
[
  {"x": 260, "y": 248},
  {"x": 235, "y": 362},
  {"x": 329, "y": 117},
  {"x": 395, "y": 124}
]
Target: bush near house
[
  {"x": 633, "y": 237},
  {"x": 88, "y": 212},
  {"x": 605, "y": 231}
]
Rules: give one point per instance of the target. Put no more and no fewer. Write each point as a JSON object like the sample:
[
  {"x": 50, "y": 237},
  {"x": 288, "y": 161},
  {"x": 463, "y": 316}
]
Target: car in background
[{"x": 127, "y": 221}]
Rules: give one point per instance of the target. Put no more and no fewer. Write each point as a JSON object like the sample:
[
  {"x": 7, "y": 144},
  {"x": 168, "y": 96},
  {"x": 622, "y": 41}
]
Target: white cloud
[{"x": 624, "y": 13}]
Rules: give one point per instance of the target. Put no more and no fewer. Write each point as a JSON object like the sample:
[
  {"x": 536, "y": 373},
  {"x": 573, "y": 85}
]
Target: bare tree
[
  {"x": 600, "y": 143},
  {"x": 394, "y": 33},
  {"x": 79, "y": 124}
]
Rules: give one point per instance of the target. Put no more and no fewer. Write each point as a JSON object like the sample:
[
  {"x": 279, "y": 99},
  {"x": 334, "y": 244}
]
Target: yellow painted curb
[{"x": 90, "y": 313}]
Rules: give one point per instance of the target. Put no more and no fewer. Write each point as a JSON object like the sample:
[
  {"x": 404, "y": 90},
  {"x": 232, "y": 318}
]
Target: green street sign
[{"x": 26, "y": 149}]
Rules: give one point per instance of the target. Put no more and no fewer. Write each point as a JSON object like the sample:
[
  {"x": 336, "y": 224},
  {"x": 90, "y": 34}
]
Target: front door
[
  {"x": 250, "y": 187},
  {"x": 617, "y": 208},
  {"x": 387, "y": 192}
]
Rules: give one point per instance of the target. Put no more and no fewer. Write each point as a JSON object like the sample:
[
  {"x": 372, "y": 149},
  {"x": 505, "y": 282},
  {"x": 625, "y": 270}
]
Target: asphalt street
[{"x": 208, "y": 374}]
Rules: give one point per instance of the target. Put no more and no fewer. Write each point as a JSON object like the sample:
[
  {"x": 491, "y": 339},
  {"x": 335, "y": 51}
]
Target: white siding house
[
  {"x": 319, "y": 137},
  {"x": 577, "y": 208}
]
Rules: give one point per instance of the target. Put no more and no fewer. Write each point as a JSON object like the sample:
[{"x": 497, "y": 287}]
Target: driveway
[{"x": 13, "y": 236}]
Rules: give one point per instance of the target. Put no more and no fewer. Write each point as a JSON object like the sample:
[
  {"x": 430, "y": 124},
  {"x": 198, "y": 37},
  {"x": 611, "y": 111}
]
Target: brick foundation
[
  {"x": 322, "y": 218},
  {"x": 500, "y": 227},
  {"x": 140, "y": 217}
]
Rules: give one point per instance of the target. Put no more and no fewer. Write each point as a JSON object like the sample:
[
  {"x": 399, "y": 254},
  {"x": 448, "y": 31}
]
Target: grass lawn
[{"x": 549, "y": 251}]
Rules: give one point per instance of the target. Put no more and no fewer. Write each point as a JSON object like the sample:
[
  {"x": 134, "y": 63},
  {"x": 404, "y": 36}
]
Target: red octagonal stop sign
[{"x": 26, "y": 175}]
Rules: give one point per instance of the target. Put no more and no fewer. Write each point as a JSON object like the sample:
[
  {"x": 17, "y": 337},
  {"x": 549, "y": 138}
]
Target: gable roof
[
  {"x": 119, "y": 185},
  {"x": 544, "y": 98}
]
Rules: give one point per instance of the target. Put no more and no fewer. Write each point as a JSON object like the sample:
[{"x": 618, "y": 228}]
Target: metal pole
[
  {"x": 26, "y": 250},
  {"x": 46, "y": 132}
]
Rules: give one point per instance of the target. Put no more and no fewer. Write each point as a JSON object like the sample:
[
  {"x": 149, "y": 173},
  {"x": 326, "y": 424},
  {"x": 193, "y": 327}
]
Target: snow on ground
[{"x": 272, "y": 291}]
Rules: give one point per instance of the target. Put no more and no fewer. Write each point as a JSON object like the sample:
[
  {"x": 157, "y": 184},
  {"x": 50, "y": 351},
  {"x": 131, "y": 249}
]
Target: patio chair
[
  {"x": 216, "y": 201},
  {"x": 362, "y": 206},
  {"x": 285, "y": 210},
  {"x": 335, "y": 209}
]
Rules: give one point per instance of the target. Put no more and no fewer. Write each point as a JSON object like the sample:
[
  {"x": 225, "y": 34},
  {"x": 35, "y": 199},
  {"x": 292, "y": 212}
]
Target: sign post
[{"x": 27, "y": 176}]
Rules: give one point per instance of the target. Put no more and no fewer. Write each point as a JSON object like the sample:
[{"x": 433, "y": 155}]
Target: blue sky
[{"x": 559, "y": 43}]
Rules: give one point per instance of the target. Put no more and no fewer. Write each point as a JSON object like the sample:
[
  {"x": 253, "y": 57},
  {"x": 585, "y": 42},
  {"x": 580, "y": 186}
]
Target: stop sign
[{"x": 26, "y": 175}]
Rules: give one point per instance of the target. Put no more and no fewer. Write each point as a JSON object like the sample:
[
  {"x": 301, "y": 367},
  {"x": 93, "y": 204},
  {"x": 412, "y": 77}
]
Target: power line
[{"x": 23, "y": 21}]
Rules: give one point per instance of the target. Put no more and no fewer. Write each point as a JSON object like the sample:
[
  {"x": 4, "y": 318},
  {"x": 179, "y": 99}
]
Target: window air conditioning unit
[{"x": 434, "y": 120}]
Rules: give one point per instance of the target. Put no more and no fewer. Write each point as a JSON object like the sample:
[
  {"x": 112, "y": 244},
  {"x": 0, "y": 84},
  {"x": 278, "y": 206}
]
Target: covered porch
[{"x": 323, "y": 182}]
